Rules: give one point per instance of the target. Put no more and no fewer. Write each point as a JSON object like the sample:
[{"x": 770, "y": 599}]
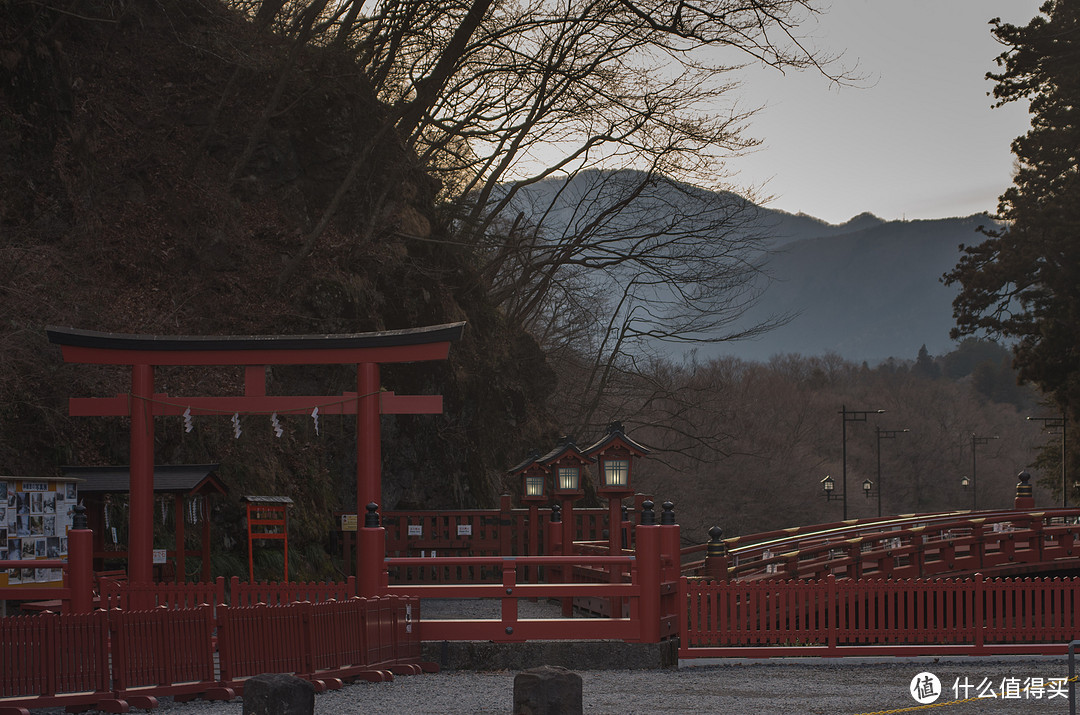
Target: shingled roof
[{"x": 168, "y": 478}]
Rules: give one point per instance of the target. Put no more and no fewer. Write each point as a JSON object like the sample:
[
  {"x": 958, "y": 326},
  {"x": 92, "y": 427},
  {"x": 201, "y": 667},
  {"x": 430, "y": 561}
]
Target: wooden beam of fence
[{"x": 877, "y": 616}]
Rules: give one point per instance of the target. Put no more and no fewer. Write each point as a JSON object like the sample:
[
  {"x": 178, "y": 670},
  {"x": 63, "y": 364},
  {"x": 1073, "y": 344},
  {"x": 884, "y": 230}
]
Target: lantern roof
[
  {"x": 616, "y": 436},
  {"x": 533, "y": 460},
  {"x": 566, "y": 449}
]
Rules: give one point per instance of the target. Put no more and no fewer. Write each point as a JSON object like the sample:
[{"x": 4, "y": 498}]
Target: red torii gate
[{"x": 143, "y": 352}]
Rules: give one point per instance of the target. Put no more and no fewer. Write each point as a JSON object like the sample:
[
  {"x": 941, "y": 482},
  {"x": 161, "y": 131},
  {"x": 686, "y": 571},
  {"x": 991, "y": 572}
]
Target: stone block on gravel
[
  {"x": 278, "y": 694},
  {"x": 547, "y": 690}
]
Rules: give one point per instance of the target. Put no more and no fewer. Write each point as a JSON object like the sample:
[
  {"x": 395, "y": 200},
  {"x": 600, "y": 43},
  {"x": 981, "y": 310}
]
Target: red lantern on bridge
[
  {"x": 615, "y": 454},
  {"x": 534, "y": 492},
  {"x": 533, "y": 479},
  {"x": 565, "y": 463}
]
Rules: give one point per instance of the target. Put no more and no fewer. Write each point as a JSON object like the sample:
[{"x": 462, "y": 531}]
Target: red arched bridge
[{"x": 948, "y": 544}]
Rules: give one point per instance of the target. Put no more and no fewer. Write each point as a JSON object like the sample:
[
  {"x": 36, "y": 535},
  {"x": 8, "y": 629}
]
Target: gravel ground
[{"x": 739, "y": 688}]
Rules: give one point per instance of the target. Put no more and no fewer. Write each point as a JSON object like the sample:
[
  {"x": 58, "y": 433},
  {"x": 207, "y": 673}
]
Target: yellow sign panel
[{"x": 348, "y": 522}]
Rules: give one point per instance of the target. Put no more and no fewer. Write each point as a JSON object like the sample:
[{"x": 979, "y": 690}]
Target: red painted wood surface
[
  {"x": 500, "y": 581},
  {"x": 52, "y": 660},
  {"x": 245, "y": 593},
  {"x": 485, "y": 532},
  {"x": 1005, "y": 542},
  {"x": 123, "y": 594},
  {"x": 162, "y": 651},
  {"x": 970, "y": 615},
  {"x": 260, "y": 639},
  {"x": 117, "y": 659}
]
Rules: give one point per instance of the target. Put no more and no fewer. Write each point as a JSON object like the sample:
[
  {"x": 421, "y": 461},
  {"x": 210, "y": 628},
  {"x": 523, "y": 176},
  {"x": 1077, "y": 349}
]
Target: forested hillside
[{"x": 127, "y": 205}]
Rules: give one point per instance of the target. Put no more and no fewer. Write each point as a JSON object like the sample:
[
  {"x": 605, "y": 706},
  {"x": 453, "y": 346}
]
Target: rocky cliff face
[{"x": 153, "y": 183}]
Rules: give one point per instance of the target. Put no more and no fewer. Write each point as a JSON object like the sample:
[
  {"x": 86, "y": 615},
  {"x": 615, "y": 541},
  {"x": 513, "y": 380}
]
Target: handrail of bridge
[
  {"x": 642, "y": 592},
  {"x": 952, "y": 543},
  {"x": 778, "y": 537}
]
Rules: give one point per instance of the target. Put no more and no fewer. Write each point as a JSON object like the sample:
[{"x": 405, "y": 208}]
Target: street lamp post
[
  {"x": 976, "y": 440},
  {"x": 883, "y": 434},
  {"x": 1052, "y": 423},
  {"x": 851, "y": 416}
]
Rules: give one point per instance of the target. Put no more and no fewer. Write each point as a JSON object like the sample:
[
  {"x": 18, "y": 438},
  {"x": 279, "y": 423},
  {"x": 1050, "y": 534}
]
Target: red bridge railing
[
  {"x": 919, "y": 546},
  {"x": 508, "y": 628},
  {"x": 833, "y": 617},
  {"x": 650, "y": 593},
  {"x": 505, "y": 531}
]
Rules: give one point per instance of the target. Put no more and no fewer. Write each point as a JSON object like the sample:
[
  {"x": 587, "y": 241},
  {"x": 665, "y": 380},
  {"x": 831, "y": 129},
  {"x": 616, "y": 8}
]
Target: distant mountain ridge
[
  {"x": 867, "y": 289},
  {"x": 868, "y": 294},
  {"x": 788, "y": 228}
]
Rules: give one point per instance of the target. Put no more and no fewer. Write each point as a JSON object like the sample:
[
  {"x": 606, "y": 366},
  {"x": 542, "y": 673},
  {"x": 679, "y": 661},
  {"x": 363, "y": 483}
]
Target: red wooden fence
[
  {"x": 51, "y": 660},
  {"x": 163, "y": 652},
  {"x": 116, "y": 659},
  {"x": 831, "y": 617},
  {"x": 142, "y": 596},
  {"x": 242, "y": 593},
  {"x": 323, "y": 642}
]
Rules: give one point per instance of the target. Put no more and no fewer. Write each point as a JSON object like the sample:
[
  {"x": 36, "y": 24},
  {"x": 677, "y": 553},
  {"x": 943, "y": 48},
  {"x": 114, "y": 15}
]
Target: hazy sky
[{"x": 918, "y": 139}]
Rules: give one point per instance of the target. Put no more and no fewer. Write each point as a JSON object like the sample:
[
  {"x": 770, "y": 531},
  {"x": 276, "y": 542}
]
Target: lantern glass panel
[
  {"x": 616, "y": 472},
  {"x": 534, "y": 485},
  {"x": 568, "y": 478}
]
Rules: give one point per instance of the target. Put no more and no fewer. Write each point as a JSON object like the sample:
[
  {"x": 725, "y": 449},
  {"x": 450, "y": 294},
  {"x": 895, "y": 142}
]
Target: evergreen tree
[
  {"x": 925, "y": 365},
  {"x": 1023, "y": 281}
]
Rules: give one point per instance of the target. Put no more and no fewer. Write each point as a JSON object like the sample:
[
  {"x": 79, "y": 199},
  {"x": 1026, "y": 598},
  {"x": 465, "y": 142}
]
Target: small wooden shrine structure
[
  {"x": 267, "y": 520},
  {"x": 189, "y": 485}
]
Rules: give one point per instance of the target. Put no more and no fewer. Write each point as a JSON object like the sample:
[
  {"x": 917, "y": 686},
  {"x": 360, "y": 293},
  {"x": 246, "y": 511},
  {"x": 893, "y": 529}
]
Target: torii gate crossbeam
[{"x": 142, "y": 353}]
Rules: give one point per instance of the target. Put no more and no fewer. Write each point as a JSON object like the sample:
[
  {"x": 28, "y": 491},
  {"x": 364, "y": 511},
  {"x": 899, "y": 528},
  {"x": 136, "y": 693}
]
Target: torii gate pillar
[
  {"x": 141, "y": 489},
  {"x": 368, "y": 441}
]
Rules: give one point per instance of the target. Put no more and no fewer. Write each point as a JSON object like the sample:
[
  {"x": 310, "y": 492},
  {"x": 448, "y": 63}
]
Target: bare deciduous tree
[{"x": 532, "y": 113}]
